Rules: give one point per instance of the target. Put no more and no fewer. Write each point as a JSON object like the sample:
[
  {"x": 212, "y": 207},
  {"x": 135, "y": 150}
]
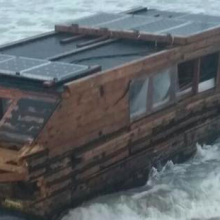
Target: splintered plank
[
  {"x": 7, "y": 155},
  {"x": 27, "y": 151},
  {"x": 12, "y": 168}
]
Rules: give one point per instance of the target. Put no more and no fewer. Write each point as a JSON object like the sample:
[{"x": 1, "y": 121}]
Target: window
[
  {"x": 208, "y": 72},
  {"x": 185, "y": 77},
  {"x": 4, "y": 104},
  {"x": 138, "y": 97},
  {"x": 161, "y": 88}
]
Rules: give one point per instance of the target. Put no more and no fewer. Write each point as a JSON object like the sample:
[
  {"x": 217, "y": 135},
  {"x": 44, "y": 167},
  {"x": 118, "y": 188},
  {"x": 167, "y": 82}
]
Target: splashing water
[{"x": 184, "y": 192}]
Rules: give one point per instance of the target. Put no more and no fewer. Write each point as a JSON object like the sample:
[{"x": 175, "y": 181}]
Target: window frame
[
  {"x": 180, "y": 96},
  {"x": 172, "y": 99},
  {"x": 217, "y": 73},
  {"x": 196, "y": 77},
  {"x": 149, "y": 108},
  {"x": 144, "y": 77}
]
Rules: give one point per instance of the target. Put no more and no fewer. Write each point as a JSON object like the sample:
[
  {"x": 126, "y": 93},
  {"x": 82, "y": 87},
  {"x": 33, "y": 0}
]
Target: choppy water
[
  {"x": 185, "y": 192},
  {"x": 21, "y": 18},
  {"x": 178, "y": 192}
]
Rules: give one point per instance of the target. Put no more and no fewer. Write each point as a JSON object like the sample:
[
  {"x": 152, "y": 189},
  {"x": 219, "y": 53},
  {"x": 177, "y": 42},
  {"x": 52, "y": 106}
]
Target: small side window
[
  {"x": 208, "y": 72},
  {"x": 161, "y": 88},
  {"x": 4, "y": 104},
  {"x": 138, "y": 97},
  {"x": 185, "y": 77}
]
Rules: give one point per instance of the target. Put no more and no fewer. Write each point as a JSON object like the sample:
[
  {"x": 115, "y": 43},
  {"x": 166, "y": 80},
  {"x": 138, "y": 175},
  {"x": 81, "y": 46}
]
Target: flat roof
[{"x": 65, "y": 57}]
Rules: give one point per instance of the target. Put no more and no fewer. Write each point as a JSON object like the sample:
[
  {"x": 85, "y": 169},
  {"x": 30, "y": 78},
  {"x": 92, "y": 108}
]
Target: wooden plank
[
  {"x": 28, "y": 151},
  {"x": 12, "y": 168},
  {"x": 71, "y": 142},
  {"x": 206, "y": 34},
  {"x": 202, "y": 51},
  {"x": 79, "y": 50},
  {"x": 8, "y": 114},
  {"x": 91, "y": 42},
  {"x": 12, "y": 177},
  {"x": 196, "y": 76},
  {"x": 71, "y": 39},
  {"x": 7, "y": 155},
  {"x": 51, "y": 179},
  {"x": 94, "y": 170},
  {"x": 93, "y": 31}
]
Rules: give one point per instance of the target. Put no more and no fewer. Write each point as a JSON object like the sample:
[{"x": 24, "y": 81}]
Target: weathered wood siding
[{"x": 97, "y": 105}]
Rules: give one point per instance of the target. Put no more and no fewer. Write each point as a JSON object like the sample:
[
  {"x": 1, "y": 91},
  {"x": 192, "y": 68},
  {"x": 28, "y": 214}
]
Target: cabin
[{"x": 89, "y": 108}]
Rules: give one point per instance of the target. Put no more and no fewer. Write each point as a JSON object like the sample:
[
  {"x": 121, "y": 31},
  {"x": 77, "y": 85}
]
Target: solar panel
[
  {"x": 55, "y": 71},
  {"x": 129, "y": 22},
  {"x": 4, "y": 57},
  {"x": 154, "y": 22},
  {"x": 18, "y": 64},
  {"x": 201, "y": 18},
  {"x": 162, "y": 25},
  {"x": 192, "y": 28},
  {"x": 98, "y": 19}
]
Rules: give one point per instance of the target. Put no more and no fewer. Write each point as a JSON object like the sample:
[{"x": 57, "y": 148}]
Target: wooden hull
[{"x": 169, "y": 136}]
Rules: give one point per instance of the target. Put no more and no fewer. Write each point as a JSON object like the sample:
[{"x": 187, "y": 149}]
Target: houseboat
[{"x": 90, "y": 107}]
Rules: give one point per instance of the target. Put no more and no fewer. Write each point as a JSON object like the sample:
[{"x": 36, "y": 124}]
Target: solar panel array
[
  {"x": 55, "y": 71},
  {"x": 127, "y": 22},
  {"x": 98, "y": 19},
  {"x": 182, "y": 25},
  {"x": 37, "y": 69},
  {"x": 18, "y": 64},
  {"x": 5, "y": 57}
]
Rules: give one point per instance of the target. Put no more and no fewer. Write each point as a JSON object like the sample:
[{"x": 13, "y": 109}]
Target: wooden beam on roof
[
  {"x": 71, "y": 39},
  {"x": 91, "y": 42},
  {"x": 80, "y": 50},
  {"x": 133, "y": 35}
]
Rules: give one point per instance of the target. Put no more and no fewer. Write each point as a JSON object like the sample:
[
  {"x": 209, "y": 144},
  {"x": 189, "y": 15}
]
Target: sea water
[{"x": 190, "y": 191}]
